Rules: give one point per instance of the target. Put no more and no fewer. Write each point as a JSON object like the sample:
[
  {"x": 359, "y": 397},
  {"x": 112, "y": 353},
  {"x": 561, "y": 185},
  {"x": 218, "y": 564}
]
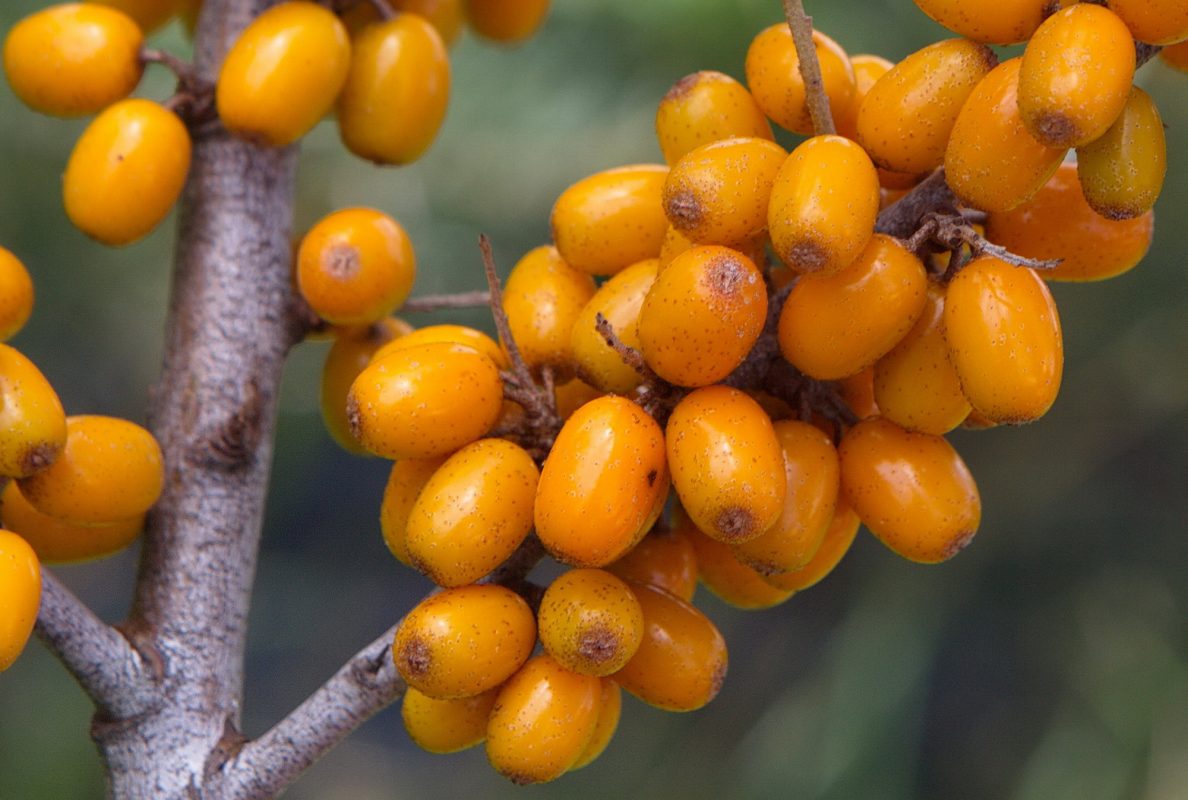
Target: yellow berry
[
  {"x": 619, "y": 300},
  {"x": 590, "y": 621},
  {"x": 1122, "y": 172},
  {"x": 663, "y": 558},
  {"x": 773, "y": 75},
  {"x": 506, "y": 21},
  {"x": 405, "y": 482},
  {"x": 610, "y": 707},
  {"x": 350, "y": 354},
  {"x": 32, "y": 422},
  {"x": 543, "y": 298},
  {"x": 447, "y": 726},
  {"x": 16, "y": 295},
  {"x": 59, "y": 542},
  {"x": 20, "y": 596},
  {"x": 706, "y": 107}
]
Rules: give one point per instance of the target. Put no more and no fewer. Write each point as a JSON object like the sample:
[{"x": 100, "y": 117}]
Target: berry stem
[
  {"x": 801, "y": 26},
  {"x": 384, "y": 9},
  {"x": 443, "y": 302}
]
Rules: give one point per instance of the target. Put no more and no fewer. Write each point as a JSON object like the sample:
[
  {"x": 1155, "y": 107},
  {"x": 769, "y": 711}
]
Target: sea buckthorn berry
[
  {"x": 916, "y": 385},
  {"x": 663, "y": 558},
  {"x": 350, "y": 354},
  {"x": 811, "y": 474},
  {"x": 73, "y": 59},
  {"x": 462, "y": 642},
  {"x": 773, "y": 75},
  {"x": 447, "y": 726},
  {"x": 110, "y": 470},
  {"x": 148, "y": 14},
  {"x": 1153, "y": 21},
  {"x": 727, "y": 465},
  {"x": 603, "y": 485},
  {"x": 20, "y": 595},
  {"x": 838, "y": 325},
  {"x": 572, "y": 395},
  {"x": 1057, "y": 223},
  {"x": 1122, "y": 172},
  {"x": 867, "y": 70},
  {"x": 619, "y": 300},
  {"x": 991, "y": 161},
  {"x": 444, "y": 15},
  {"x": 16, "y": 295},
  {"x": 612, "y": 219},
  {"x": 590, "y": 621},
  {"x": 126, "y": 171},
  {"x": 355, "y": 266},
  {"x": 405, "y": 482},
  {"x": 425, "y": 401},
  {"x": 834, "y": 547},
  {"x": 703, "y": 315},
  {"x": 610, "y": 707},
  {"x": 989, "y": 21},
  {"x": 473, "y": 513},
  {"x": 543, "y": 721},
  {"x": 506, "y": 21},
  {"x": 269, "y": 89},
  {"x": 681, "y": 663},
  {"x": 723, "y": 574},
  {"x": 59, "y": 542},
  {"x": 32, "y": 422},
  {"x": 396, "y": 92},
  {"x": 858, "y": 392},
  {"x": 905, "y": 120},
  {"x": 1176, "y": 56},
  {"x": 1004, "y": 340},
  {"x": 912, "y": 490},
  {"x": 823, "y": 205},
  {"x": 718, "y": 193},
  {"x": 543, "y": 298},
  {"x": 1076, "y": 75},
  {"x": 706, "y": 107},
  {"x": 458, "y": 334}
]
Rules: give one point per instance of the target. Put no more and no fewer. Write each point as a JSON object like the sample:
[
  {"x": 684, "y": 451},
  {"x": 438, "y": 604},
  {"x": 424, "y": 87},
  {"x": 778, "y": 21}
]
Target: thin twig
[
  {"x": 815, "y": 97},
  {"x": 629, "y": 355},
  {"x": 903, "y": 217},
  {"x": 443, "y": 302},
  {"x": 384, "y": 9}
]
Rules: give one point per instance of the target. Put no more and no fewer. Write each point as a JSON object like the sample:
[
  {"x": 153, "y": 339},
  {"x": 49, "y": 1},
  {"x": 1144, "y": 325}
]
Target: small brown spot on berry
[
  {"x": 38, "y": 457},
  {"x": 652, "y": 475},
  {"x": 682, "y": 87},
  {"x": 683, "y": 210},
  {"x": 597, "y": 646},
  {"x": 1056, "y": 130},
  {"x": 716, "y": 681},
  {"x": 735, "y": 524},
  {"x": 341, "y": 261},
  {"x": 414, "y": 659},
  {"x": 806, "y": 256},
  {"x": 354, "y": 417},
  {"x": 725, "y": 275}
]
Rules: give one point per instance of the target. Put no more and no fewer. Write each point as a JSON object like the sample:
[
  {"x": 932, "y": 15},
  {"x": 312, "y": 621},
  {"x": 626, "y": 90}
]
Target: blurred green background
[{"x": 1049, "y": 660}]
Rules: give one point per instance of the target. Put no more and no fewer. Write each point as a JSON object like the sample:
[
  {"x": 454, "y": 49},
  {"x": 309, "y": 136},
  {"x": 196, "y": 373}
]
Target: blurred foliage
[{"x": 1049, "y": 660}]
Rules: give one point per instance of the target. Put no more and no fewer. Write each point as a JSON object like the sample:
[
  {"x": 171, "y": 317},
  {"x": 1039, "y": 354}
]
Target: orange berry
[
  {"x": 1076, "y": 75},
  {"x": 444, "y": 15},
  {"x": 590, "y": 621},
  {"x": 32, "y": 422},
  {"x": 867, "y": 70},
  {"x": 1004, "y": 340},
  {"x": 1153, "y": 21},
  {"x": 543, "y": 721},
  {"x": 727, "y": 465},
  {"x": 823, "y": 205},
  {"x": 462, "y": 642},
  {"x": 473, "y": 513},
  {"x": 1175, "y": 56},
  {"x": 396, "y": 92},
  {"x": 989, "y": 21},
  {"x": 16, "y": 295},
  {"x": 703, "y": 315},
  {"x": 126, "y": 171},
  {"x": 1057, "y": 223},
  {"x": 457, "y": 334},
  {"x": 838, "y": 325},
  {"x": 425, "y": 401},
  {"x": 405, "y": 482},
  {"x": 1122, "y": 172},
  {"x": 916, "y": 385},
  {"x": 73, "y": 59},
  {"x": 773, "y": 74},
  {"x": 20, "y": 595},
  {"x": 619, "y": 300},
  {"x": 59, "y": 542},
  {"x": 355, "y": 266},
  {"x": 731, "y": 580},
  {"x": 858, "y": 392},
  {"x": 706, "y": 107},
  {"x": 811, "y": 475},
  {"x": 543, "y": 298},
  {"x": 663, "y": 558},
  {"x": 603, "y": 484},
  {"x": 834, "y": 547},
  {"x": 506, "y": 21},
  {"x": 681, "y": 663},
  {"x": 269, "y": 89},
  {"x": 447, "y": 726},
  {"x": 991, "y": 161},
  {"x": 612, "y": 219},
  {"x": 911, "y": 490},
  {"x": 610, "y": 707},
  {"x": 572, "y": 395},
  {"x": 148, "y": 14},
  {"x": 350, "y": 354},
  {"x": 905, "y": 120}
]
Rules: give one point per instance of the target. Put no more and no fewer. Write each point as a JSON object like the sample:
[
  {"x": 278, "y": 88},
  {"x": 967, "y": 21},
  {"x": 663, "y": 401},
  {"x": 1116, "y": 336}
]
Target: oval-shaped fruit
[
  {"x": 462, "y": 642},
  {"x": 405, "y": 482},
  {"x": 73, "y": 59},
  {"x": 1004, "y": 340},
  {"x": 148, "y": 14},
  {"x": 905, "y": 119},
  {"x": 16, "y": 295},
  {"x": 823, "y": 205},
  {"x": 473, "y": 513},
  {"x": 706, "y": 107},
  {"x": 703, "y": 315},
  {"x": 681, "y": 663},
  {"x": 20, "y": 595},
  {"x": 867, "y": 71},
  {"x": 447, "y": 726},
  {"x": 912, "y": 490},
  {"x": 1153, "y": 21},
  {"x": 603, "y": 484},
  {"x": 350, "y": 354},
  {"x": 32, "y": 422},
  {"x": 590, "y": 621},
  {"x": 572, "y": 395},
  {"x": 270, "y": 89},
  {"x": 619, "y": 301},
  {"x": 543, "y": 298},
  {"x": 445, "y": 15},
  {"x": 1175, "y": 56},
  {"x": 506, "y": 21},
  {"x": 663, "y": 558},
  {"x": 773, "y": 75},
  {"x": 457, "y": 334},
  {"x": 989, "y": 21},
  {"x": 1122, "y": 172},
  {"x": 727, "y": 577},
  {"x": 126, "y": 171},
  {"x": 610, "y": 707},
  {"x": 837, "y": 325},
  {"x": 834, "y": 547},
  {"x": 59, "y": 542},
  {"x": 612, "y": 219},
  {"x": 425, "y": 401},
  {"x": 396, "y": 91},
  {"x": 543, "y": 721},
  {"x": 727, "y": 465}
]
